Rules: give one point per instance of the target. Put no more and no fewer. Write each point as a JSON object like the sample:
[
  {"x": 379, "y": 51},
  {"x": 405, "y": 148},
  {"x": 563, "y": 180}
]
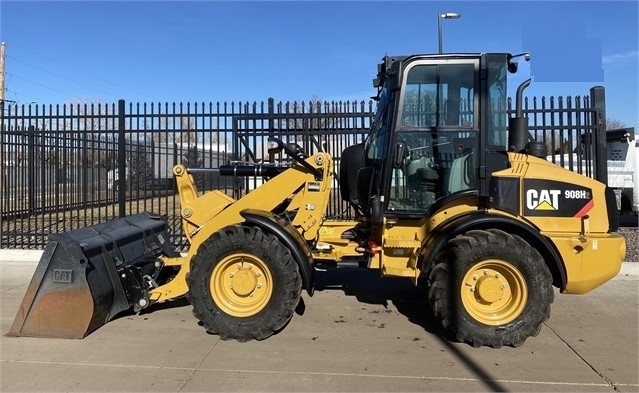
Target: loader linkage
[{"x": 447, "y": 192}]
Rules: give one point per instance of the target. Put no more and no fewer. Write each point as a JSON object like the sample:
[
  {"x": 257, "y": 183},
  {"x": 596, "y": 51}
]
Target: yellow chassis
[{"x": 398, "y": 248}]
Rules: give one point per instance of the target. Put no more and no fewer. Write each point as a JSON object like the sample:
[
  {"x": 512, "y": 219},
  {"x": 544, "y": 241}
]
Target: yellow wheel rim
[
  {"x": 494, "y": 292},
  {"x": 241, "y": 285}
]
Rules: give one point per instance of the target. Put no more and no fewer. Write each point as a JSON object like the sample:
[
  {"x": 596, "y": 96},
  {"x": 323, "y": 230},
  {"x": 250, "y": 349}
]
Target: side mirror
[
  {"x": 399, "y": 154},
  {"x": 364, "y": 184}
]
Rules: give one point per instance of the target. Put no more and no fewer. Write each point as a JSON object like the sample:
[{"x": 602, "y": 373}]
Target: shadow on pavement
[{"x": 411, "y": 301}]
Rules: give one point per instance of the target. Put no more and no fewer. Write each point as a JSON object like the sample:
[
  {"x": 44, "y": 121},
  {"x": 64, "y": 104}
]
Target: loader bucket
[{"x": 87, "y": 276}]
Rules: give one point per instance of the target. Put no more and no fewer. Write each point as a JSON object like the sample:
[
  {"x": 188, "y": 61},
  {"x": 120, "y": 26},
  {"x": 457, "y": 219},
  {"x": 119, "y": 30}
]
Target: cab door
[{"x": 437, "y": 132}]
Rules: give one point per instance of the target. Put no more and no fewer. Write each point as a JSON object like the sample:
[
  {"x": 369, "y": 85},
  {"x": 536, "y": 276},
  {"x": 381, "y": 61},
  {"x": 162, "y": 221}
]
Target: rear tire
[
  {"x": 243, "y": 284},
  {"x": 490, "y": 288}
]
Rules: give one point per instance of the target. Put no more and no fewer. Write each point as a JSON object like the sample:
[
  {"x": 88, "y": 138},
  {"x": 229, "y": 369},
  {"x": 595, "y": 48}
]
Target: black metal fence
[
  {"x": 574, "y": 130},
  {"x": 69, "y": 166}
]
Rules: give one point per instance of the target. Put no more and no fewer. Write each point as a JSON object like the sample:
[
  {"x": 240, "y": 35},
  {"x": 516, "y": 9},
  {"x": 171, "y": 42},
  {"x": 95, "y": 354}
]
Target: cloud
[{"x": 621, "y": 59}]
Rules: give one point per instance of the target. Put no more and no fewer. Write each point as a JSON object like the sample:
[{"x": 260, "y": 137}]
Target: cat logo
[
  {"x": 551, "y": 198},
  {"x": 542, "y": 199}
]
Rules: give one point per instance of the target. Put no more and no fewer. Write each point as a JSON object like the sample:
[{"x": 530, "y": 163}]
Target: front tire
[
  {"x": 489, "y": 287},
  {"x": 243, "y": 284}
]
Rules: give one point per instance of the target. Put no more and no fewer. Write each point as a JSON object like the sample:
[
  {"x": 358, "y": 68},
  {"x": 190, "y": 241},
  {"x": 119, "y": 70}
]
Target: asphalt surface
[{"x": 357, "y": 333}]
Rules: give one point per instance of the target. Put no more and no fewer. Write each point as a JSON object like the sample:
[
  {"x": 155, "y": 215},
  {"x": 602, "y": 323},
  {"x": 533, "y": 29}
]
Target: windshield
[
  {"x": 382, "y": 103},
  {"x": 376, "y": 141}
]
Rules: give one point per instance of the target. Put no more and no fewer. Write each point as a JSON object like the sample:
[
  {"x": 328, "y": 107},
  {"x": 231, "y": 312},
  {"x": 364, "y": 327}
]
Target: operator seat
[{"x": 422, "y": 179}]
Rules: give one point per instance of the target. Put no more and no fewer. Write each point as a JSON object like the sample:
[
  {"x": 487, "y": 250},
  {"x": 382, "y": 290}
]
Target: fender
[
  {"x": 291, "y": 239},
  {"x": 484, "y": 220}
]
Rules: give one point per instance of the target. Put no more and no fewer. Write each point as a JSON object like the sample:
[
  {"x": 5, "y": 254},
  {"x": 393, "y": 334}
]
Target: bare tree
[{"x": 614, "y": 124}]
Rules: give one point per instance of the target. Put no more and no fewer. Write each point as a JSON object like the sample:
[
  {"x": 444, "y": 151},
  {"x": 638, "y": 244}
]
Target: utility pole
[{"x": 2, "y": 52}]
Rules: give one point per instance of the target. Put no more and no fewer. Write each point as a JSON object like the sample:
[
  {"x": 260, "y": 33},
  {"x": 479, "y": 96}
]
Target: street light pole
[
  {"x": 2, "y": 56},
  {"x": 447, "y": 15}
]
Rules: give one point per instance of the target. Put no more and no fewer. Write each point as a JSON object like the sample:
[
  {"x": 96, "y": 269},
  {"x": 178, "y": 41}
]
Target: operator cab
[{"x": 439, "y": 130}]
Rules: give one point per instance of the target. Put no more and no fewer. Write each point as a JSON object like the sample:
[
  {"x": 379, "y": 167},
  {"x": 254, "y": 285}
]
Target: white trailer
[{"x": 623, "y": 164}]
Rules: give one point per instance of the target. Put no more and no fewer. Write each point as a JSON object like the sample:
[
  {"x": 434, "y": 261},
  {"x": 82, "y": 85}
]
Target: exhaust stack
[
  {"x": 519, "y": 138},
  {"x": 518, "y": 135}
]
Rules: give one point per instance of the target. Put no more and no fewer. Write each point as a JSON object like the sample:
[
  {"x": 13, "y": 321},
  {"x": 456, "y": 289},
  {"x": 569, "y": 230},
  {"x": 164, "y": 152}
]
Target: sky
[{"x": 209, "y": 51}]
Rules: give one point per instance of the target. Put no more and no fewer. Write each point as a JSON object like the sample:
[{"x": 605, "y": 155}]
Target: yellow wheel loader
[{"x": 448, "y": 192}]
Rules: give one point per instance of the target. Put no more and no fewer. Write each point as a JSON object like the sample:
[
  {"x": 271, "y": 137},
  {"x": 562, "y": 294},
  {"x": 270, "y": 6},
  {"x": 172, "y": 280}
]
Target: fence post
[
  {"x": 271, "y": 121},
  {"x": 31, "y": 165},
  {"x": 121, "y": 160},
  {"x": 598, "y": 103},
  {"x": 271, "y": 111}
]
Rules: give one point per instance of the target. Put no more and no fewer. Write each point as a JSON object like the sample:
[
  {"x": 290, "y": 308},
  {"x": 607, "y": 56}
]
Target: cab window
[{"x": 439, "y": 95}]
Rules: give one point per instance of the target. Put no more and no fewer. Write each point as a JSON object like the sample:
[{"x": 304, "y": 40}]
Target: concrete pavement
[{"x": 358, "y": 333}]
